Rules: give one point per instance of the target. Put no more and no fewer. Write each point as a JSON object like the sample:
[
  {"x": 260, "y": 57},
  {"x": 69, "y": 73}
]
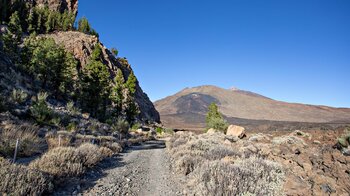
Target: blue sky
[{"x": 290, "y": 50}]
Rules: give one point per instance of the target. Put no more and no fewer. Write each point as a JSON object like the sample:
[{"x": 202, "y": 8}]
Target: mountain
[{"x": 187, "y": 109}]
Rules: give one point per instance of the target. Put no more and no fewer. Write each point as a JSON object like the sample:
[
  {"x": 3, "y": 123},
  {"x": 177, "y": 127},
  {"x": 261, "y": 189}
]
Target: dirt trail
[{"x": 142, "y": 170}]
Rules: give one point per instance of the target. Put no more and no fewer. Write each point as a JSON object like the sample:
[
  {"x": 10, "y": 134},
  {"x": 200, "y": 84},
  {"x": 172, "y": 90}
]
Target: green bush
[
  {"x": 136, "y": 126},
  {"x": 72, "y": 126},
  {"x": 159, "y": 130},
  {"x": 122, "y": 126},
  {"x": 72, "y": 109},
  {"x": 40, "y": 111},
  {"x": 344, "y": 140},
  {"x": 18, "y": 96}
]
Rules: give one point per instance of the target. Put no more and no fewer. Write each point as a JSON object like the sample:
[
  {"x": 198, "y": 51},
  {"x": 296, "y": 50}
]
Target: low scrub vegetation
[
  {"x": 344, "y": 140},
  {"x": 214, "y": 167},
  {"x": 65, "y": 162},
  {"x": 252, "y": 176},
  {"x": 20, "y": 180},
  {"x": 29, "y": 142}
]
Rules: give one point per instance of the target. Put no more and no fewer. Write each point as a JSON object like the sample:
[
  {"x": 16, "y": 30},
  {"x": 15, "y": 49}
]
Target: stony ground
[{"x": 141, "y": 170}]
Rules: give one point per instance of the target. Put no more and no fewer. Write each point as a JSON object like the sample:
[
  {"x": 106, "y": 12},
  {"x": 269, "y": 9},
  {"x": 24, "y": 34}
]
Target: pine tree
[
  {"x": 117, "y": 95},
  {"x": 131, "y": 83},
  {"x": 11, "y": 39},
  {"x": 96, "y": 53},
  {"x": 84, "y": 25},
  {"x": 95, "y": 89},
  {"x": 14, "y": 26},
  {"x": 214, "y": 119},
  {"x": 131, "y": 109},
  {"x": 115, "y": 51}
]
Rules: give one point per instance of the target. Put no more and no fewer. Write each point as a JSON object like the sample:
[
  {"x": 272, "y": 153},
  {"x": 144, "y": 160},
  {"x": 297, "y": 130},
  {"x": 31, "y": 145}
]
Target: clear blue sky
[{"x": 289, "y": 50}]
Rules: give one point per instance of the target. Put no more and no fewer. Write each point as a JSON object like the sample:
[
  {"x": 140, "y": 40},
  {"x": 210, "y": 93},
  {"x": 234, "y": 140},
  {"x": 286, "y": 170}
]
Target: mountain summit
[{"x": 189, "y": 106}]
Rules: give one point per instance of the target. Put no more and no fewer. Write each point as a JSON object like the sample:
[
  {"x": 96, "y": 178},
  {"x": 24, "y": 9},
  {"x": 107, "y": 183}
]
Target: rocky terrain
[
  {"x": 187, "y": 110},
  {"x": 278, "y": 163}
]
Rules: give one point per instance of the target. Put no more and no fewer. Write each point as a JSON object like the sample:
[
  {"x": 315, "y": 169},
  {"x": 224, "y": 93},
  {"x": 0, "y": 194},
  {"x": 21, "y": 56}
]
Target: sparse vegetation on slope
[{"x": 215, "y": 168}]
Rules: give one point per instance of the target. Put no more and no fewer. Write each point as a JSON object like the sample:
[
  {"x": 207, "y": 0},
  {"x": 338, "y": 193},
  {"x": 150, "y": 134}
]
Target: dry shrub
[
  {"x": 53, "y": 139},
  {"x": 219, "y": 152},
  {"x": 104, "y": 139},
  {"x": 115, "y": 147},
  {"x": 187, "y": 163},
  {"x": 190, "y": 151},
  {"x": 29, "y": 142},
  {"x": 106, "y": 152},
  {"x": 20, "y": 180},
  {"x": 60, "y": 162},
  {"x": 249, "y": 176},
  {"x": 136, "y": 141},
  {"x": 90, "y": 154}
]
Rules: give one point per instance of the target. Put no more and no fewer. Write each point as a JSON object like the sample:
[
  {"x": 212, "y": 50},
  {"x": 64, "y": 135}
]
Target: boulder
[{"x": 236, "y": 131}]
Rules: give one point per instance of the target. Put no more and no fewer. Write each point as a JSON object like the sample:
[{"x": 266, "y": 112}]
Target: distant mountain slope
[{"x": 190, "y": 105}]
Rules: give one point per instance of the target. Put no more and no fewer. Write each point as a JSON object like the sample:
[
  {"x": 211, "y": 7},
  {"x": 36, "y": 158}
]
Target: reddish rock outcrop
[{"x": 81, "y": 46}]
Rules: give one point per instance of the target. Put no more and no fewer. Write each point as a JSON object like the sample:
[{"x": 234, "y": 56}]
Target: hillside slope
[
  {"x": 82, "y": 45},
  {"x": 189, "y": 106}
]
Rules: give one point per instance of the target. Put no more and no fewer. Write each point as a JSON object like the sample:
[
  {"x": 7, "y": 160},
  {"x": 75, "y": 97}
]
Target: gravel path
[{"x": 142, "y": 170}]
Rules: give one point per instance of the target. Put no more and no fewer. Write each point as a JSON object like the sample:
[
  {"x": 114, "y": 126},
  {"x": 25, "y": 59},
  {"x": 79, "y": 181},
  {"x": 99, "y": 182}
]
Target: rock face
[
  {"x": 82, "y": 45},
  {"x": 236, "y": 131},
  {"x": 58, "y": 5}
]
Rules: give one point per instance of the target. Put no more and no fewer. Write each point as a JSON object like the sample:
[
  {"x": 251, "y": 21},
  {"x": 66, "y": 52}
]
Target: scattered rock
[
  {"x": 211, "y": 131},
  {"x": 236, "y": 131},
  {"x": 346, "y": 151},
  {"x": 258, "y": 138},
  {"x": 316, "y": 142}
]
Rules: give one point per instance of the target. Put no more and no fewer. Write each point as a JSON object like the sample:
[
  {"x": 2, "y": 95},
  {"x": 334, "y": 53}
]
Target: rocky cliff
[
  {"x": 57, "y": 5},
  {"x": 81, "y": 46}
]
